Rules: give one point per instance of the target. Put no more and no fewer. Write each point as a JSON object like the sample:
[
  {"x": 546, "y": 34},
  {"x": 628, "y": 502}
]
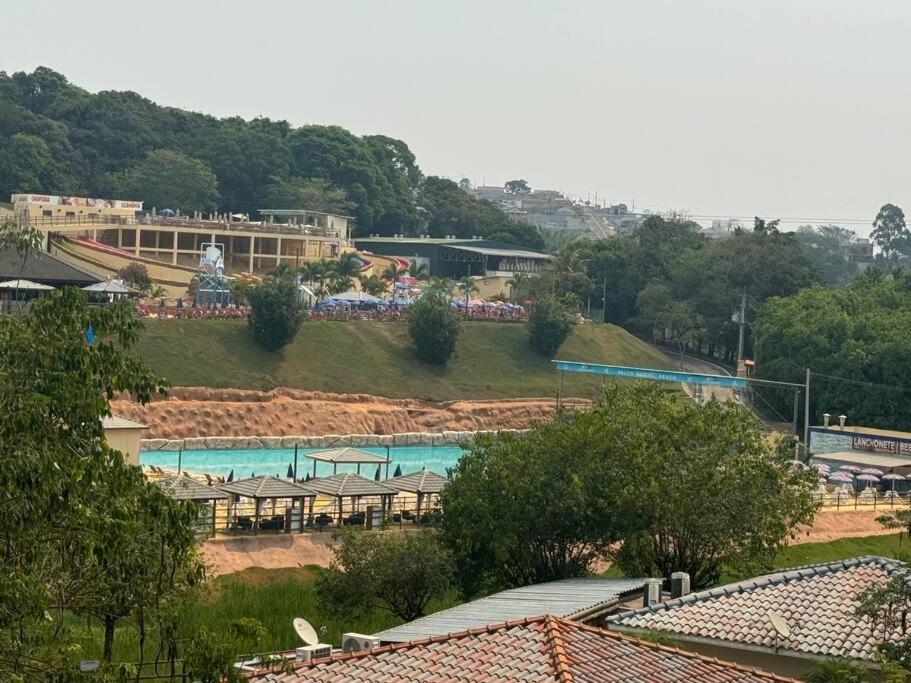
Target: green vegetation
[
  {"x": 57, "y": 138},
  {"x": 817, "y": 553},
  {"x": 856, "y": 333},
  {"x": 397, "y": 573},
  {"x": 434, "y": 328},
  {"x": 276, "y": 311},
  {"x": 680, "y": 487},
  {"x": 549, "y": 324},
  {"x": 493, "y": 360}
]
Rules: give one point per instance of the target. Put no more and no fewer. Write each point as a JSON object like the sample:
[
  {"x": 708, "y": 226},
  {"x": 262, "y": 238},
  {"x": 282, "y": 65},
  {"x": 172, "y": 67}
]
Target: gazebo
[
  {"x": 347, "y": 456},
  {"x": 112, "y": 289},
  {"x": 185, "y": 488},
  {"x": 423, "y": 483},
  {"x": 259, "y": 489},
  {"x": 353, "y": 486}
]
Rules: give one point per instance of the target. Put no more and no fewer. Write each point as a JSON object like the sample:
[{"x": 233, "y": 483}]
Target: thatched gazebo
[
  {"x": 263, "y": 488},
  {"x": 353, "y": 486},
  {"x": 185, "y": 488},
  {"x": 422, "y": 484}
]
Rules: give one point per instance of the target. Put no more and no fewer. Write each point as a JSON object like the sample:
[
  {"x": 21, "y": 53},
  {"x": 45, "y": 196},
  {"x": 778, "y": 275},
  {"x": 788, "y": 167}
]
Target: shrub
[
  {"x": 549, "y": 324},
  {"x": 434, "y": 327},
  {"x": 276, "y": 312},
  {"x": 136, "y": 275}
]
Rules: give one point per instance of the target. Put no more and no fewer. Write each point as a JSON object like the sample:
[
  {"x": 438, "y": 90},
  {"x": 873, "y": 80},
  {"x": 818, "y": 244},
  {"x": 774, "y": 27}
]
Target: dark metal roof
[
  {"x": 424, "y": 481},
  {"x": 265, "y": 486},
  {"x": 43, "y": 268},
  {"x": 351, "y": 456},
  {"x": 564, "y": 598},
  {"x": 348, "y": 484},
  {"x": 184, "y": 488}
]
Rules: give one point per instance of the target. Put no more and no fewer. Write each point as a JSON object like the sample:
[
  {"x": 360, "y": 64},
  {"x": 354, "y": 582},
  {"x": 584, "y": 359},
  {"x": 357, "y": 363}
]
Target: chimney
[
  {"x": 680, "y": 584},
  {"x": 651, "y": 592},
  {"x": 825, "y": 419},
  {"x": 841, "y": 420}
]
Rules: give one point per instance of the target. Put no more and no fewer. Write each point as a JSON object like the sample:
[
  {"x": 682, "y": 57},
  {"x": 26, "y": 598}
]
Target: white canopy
[
  {"x": 109, "y": 287},
  {"x": 24, "y": 284}
]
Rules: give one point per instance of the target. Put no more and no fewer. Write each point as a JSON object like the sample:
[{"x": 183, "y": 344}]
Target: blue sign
[{"x": 652, "y": 374}]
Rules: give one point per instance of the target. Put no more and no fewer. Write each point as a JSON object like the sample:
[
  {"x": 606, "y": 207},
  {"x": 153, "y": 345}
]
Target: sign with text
[
  {"x": 652, "y": 374},
  {"x": 55, "y": 200},
  {"x": 880, "y": 444}
]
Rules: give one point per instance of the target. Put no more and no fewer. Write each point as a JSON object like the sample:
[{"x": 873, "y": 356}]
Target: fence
[{"x": 868, "y": 499}]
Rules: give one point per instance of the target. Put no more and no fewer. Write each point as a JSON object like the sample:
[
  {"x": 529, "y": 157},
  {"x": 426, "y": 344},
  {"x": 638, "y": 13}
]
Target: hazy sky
[{"x": 782, "y": 108}]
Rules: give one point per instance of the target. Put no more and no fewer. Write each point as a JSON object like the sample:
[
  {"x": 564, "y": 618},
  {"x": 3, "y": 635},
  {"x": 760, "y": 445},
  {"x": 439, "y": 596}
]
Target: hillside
[{"x": 492, "y": 361}]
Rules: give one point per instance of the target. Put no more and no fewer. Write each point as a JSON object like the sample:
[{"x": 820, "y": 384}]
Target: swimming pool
[{"x": 275, "y": 461}]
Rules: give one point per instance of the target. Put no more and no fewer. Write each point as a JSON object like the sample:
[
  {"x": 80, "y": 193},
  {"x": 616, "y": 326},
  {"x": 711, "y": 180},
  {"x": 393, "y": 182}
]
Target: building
[
  {"x": 455, "y": 258},
  {"x": 543, "y": 649},
  {"x": 782, "y": 622},
  {"x": 863, "y": 446},
  {"x": 104, "y": 235},
  {"x": 584, "y": 599},
  {"x": 44, "y": 269},
  {"x": 123, "y": 435}
]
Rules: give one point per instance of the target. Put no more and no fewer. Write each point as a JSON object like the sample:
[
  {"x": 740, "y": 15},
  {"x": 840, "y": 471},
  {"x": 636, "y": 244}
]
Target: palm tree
[
  {"x": 418, "y": 271},
  {"x": 392, "y": 273},
  {"x": 837, "y": 671},
  {"x": 467, "y": 285},
  {"x": 372, "y": 285},
  {"x": 309, "y": 271},
  {"x": 347, "y": 265},
  {"x": 341, "y": 283},
  {"x": 515, "y": 284}
]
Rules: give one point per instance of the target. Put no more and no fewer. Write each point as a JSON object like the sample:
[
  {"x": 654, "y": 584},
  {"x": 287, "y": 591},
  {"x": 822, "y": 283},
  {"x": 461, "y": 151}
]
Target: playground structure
[{"x": 213, "y": 287}]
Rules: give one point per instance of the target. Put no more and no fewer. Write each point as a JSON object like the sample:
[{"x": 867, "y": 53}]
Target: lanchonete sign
[
  {"x": 881, "y": 444},
  {"x": 63, "y": 200}
]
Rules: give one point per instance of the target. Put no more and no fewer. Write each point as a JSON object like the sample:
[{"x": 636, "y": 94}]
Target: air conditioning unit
[
  {"x": 310, "y": 652},
  {"x": 355, "y": 642}
]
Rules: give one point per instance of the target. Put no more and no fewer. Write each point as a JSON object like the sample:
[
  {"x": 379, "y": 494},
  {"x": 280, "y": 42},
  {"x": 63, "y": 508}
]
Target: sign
[
  {"x": 652, "y": 374},
  {"x": 60, "y": 200},
  {"x": 880, "y": 444}
]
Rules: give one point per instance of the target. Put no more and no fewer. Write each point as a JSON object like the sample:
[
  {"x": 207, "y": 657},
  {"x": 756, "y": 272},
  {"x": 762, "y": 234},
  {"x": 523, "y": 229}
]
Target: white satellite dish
[
  {"x": 780, "y": 625},
  {"x": 305, "y": 631}
]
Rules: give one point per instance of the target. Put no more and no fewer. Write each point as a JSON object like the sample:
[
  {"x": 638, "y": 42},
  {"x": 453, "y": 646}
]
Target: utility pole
[
  {"x": 742, "y": 321},
  {"x": 806, "y": 415},
  {"x": 604, "y": 300}
]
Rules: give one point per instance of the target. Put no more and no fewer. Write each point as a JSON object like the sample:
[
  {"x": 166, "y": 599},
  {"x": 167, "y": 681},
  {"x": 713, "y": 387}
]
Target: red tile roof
[
  {"x": 818, "y": 603},
  {"x": 540, "y": 649}
]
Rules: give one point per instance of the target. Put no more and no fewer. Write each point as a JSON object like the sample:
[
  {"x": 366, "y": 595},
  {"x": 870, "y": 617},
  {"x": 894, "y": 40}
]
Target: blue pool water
[{"x": 275, "y": 461}]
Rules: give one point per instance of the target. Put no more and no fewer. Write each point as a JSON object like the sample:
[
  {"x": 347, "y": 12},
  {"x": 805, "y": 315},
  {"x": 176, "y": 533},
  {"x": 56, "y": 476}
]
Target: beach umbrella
[
  {"x": 893, "y": 478},
  {"x": 252, "y": 474},
  {"x": 822, "y": 480},
  {"x": 398, "y": 471},
  {"x": 842, "y": 477},
  {"x": 849, "y": 468},
  {"x": 796, "y": 465},
  {"x": 872, "y": 470},
  {"x": 230, "y": 476},
  {"x": 308, "y": 477},
  {"x": 290, "y": 474},
  {"x": 376, "y": 477},
  {"x": 867, "y": 477}
]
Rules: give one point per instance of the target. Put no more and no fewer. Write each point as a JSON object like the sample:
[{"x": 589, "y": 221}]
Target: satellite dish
[
  {"x": 305, "y": 631},
  {"x": 780, "y": 625}
]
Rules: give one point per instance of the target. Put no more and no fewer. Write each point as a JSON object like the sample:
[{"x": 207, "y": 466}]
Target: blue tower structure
[{"x": 213, "y": 287}]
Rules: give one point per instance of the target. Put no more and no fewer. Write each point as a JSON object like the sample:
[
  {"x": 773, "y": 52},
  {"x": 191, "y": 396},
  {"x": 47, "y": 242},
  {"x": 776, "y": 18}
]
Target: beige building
[{"x": 123, "y": 435}]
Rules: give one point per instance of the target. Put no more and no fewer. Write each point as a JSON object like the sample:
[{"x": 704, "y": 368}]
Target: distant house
[
  {"x": 44, "y": 269},
  {"x": 542, "y": 649},
  {"x": 123, "y": 435},
  {"x": 814, "y": 607}
]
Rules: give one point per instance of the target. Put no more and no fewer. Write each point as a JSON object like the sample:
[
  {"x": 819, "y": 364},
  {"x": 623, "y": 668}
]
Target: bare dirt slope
[{"x": 191, "y": 412}]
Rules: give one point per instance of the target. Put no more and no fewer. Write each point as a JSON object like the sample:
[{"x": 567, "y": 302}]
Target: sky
[{"x": 792, "y": 109}]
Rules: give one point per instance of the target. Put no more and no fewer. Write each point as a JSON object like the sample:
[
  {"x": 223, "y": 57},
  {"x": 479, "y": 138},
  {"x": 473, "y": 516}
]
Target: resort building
[
  {"x": 104, "y": 235},
  {"x": 782, "y": 622},
  {"x": 542, "y": 649},
  {"x": 863, "y": 446},
  {"x": 124, "y": 435}
]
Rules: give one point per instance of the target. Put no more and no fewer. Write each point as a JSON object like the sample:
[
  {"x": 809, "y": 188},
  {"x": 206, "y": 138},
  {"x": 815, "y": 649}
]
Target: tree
[
  {"x": 465, "y": 184},
  {"x": 276, "y": 311},
  {"x": 316, "y": 194},
  {"x": 517, "y": 187},
  {"x": 398, "y": 573},
  {"x": 890, "y": 233},
  {"x": 434, "y": 327},
  {"x": 837, "y": 671},
  {"x": 210, "y": 659},
  {"x": 136, "y": 275},
  {"x": 467, "y": 285},
  {"x": 27, "y": 160},
  {"x": 419, "y": 271},
  {"x": 372, "y": 285},
  {"x": 168, "y": 179},
  {"x": 549, "y": 324},
  {"x": 886, "y": 606},
  {"x": 826, "y": 248},
  {"x": 67, "y": 529}
]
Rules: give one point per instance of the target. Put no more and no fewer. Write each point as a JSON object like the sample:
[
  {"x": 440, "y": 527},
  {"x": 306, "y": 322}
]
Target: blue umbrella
[
  {"x": 376, "y": 477},
  {"x": 398, "y": 471},
  {"x": 230, "y": 476},
  {"x": 290, "y": 474}
]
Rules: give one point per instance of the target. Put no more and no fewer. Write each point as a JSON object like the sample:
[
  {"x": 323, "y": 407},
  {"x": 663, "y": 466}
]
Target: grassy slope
[{"x": 493, "y": 360}]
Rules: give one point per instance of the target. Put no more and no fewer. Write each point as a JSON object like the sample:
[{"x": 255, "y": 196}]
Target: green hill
[{"x": 493, "y": 360}]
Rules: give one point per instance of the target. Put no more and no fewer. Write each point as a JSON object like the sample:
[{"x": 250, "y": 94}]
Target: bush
[
  {"x": 276, "y": 312},
  {"x": 399, "y": 573},
  {"x": 434, "y": 327},
  {"x": 549, "y": 324},
  {"x": 136, "y": 275}
]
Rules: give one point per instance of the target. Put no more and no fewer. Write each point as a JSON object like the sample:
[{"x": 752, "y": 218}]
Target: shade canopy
[
  {"x": 110, "y": 287},
  {"x": 849, "y": 468},
  {"x": 424, "y": 481},
  {"x": 185, "y": 488},
  {"x": 265, "y": 487},
  {"x": 866, "y": 459},
  {"x": 842, "y": 477},
  {"x": 867, "y": 477},
  {"x": 892, "y": 477},
  {"x": 347, "y": 484},
  {"x": 346, "y": 456},
  {"x": 25, "y": 285},
  {"x": 872, "y": 470}
]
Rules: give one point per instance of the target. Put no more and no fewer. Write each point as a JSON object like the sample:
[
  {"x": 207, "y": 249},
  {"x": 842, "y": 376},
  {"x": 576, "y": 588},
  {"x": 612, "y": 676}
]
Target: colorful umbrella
[
  {"x": 872, "y": 470},
  {"x": 892, "y": 477},
  {"x": 841, "y": 477},
  {"x": 849, "y": 468},
  {"x": 867, "y": 477}
]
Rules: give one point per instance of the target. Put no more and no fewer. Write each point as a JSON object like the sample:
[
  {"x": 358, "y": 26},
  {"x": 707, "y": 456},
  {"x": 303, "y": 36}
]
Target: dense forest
[{"x": 57, "y": 138}]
